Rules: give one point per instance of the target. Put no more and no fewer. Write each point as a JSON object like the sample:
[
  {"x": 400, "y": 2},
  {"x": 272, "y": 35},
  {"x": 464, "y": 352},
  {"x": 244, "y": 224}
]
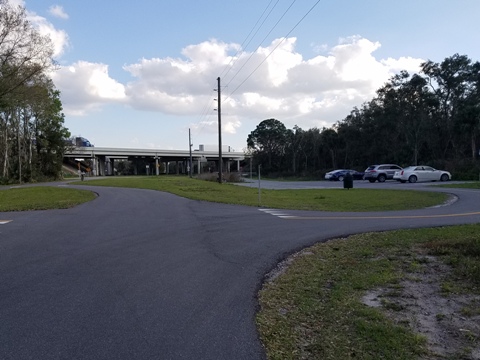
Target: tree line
[
  {"x": 31, "y": 120},
  {"x": 432, "y": 117}
]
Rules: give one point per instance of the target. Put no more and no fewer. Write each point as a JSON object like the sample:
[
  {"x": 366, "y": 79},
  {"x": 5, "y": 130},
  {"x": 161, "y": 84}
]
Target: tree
[
  {"x": 24, "y": 53},
  {"x": 269, "y": 139},
  {"x": 449, "y": 80},
  {"x": 412, "y": 106},
  {"x": 31, "y": 118},
  {"x": 331, "y": 144}
]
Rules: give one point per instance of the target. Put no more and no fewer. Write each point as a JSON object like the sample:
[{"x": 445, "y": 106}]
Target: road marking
[
  {"x": 3, "y": 222},
  {"x": 274, "y": 212},
  {"x": 360, "y": 217}
]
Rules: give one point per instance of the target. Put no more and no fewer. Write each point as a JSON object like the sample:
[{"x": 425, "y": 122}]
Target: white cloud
[
  {"x": 57, "y": 11},
  {"x": 230, "y": 125},
  {"x": 86, "y": 86},
  {"x": 58, "y": 37},
  {"x": 309, "y": 92},
  {"x": 17, "y": 2},
  {"x": 410, "y": 64}
]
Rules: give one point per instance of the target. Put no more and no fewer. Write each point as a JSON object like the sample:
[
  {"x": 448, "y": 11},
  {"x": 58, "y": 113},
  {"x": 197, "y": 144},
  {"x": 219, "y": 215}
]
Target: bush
[
  {"x": 464, "y": 170},
  {"x": 227, "y": 177}
]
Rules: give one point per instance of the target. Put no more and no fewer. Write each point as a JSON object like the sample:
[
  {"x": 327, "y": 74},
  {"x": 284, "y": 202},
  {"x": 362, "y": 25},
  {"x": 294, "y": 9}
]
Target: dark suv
[{"x": 381, "y": 172}]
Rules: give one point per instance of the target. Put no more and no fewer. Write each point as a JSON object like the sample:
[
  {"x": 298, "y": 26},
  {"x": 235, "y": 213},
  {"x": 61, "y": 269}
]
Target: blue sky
[{"x": 141, "y": 74}]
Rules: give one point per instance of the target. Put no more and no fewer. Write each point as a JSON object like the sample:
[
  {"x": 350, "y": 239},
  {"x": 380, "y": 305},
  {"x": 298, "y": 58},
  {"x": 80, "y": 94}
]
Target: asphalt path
[{"x": 140, "y": 274}]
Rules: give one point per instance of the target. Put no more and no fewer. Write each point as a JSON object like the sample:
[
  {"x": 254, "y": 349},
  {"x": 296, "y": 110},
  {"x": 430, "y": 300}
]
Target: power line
[
  {"x": 205, "y": 113},
  {"x": 208, "y": 105},
  {"x": 253, "y": 52},
  {"x": 229, "y": 66},
  {"x": 271, "y": 52}
]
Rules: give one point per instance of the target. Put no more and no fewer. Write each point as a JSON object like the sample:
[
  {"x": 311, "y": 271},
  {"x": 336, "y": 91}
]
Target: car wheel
[
  {"x": 412, "y": 179},
  {"x": 444, "y": 177},
  {"x": 371, "y": 180},
  {"x": 340, "y": 178},
  {"x": 381, "y": 178}
]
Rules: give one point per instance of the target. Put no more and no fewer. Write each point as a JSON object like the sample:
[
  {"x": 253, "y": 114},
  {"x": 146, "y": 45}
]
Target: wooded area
[
  {"x": 31, "y": 119},
  {"x": 430, "y": 118}
]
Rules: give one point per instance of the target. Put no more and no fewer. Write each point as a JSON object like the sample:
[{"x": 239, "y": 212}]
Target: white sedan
[{"x": 421, "y": 173}]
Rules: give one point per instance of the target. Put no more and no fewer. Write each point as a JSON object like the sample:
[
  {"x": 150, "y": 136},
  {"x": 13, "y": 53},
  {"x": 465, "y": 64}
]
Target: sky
[{"x": 142, "y": 74}]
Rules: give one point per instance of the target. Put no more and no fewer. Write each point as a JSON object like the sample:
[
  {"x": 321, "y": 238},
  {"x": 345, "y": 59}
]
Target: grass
[
  {"x": 467, "y": 185},
  {"x": 42, "y": 198},
  {"x": 314, "y": 309},
  {"x": 305, "y": 199}
]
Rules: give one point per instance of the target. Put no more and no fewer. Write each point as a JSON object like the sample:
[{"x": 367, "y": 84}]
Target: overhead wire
[
  {"x": 229, "y": 66},
  {"x": 207, "y": 106},
  {"x": 271, "y": 52},
  {"x": 261, "y": 42},
  {"x": 204, "y": 114}
]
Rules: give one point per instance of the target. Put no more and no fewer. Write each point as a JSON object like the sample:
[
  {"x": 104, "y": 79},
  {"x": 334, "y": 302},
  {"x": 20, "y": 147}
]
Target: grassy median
[
  {"x": 305, "y": 199},
  {"x": 42, "y": 198}
]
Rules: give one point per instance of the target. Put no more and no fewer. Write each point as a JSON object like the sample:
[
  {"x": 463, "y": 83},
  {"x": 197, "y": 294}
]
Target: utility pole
[
  {"x": 190, "y": 147},
  {"x": 219, "y": 109}
]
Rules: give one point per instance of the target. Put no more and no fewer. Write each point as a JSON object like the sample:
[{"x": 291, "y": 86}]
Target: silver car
[{"x": 381, "y": 172}]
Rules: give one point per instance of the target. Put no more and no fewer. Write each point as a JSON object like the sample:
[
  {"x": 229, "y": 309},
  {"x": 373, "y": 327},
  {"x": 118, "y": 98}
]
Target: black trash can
[{"x": 348, "y": 181}]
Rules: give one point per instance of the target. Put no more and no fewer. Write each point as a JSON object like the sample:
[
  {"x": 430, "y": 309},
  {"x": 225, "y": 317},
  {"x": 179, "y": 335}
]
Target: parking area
[{"x": 324, "y": 184}]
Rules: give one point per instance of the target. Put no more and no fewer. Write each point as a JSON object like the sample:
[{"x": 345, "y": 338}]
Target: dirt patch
[{"x": 450, "y": 322}]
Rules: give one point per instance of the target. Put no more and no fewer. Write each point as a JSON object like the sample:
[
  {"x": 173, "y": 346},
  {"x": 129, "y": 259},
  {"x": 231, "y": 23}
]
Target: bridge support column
[
  {"x": 198, "y": 166},
  {"x": 157, "y": 167},
  {"x": 101, "y": 166},
  {"x": 177, "y": 168},
  {"x": 94, "y": 166},
  {"x": 238, "y": 165},
  {"x": 109, "y": 166}
]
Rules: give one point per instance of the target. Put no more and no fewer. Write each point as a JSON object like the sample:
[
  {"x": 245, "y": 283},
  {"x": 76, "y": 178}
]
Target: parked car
[
  {"x": 421, "y": 173},
  {"x": 381, "y": 172},
  {"x": 339, "y": 175}
]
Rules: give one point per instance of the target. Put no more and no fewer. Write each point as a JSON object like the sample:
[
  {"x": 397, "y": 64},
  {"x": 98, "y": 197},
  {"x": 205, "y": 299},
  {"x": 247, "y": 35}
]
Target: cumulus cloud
[
  {"x": 17, "y": 2},
  {"x": 412, "y": 65},
  {"x": 57, "y": 11},
  {"x": 274, "y": 81},
  {"x": 58, "y": 37},
  {"x": 86, "y": 86}
]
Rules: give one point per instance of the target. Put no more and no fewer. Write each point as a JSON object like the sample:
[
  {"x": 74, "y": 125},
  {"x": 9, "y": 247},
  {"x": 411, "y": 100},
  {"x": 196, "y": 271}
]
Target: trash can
[{"x": 348, "y": 181}]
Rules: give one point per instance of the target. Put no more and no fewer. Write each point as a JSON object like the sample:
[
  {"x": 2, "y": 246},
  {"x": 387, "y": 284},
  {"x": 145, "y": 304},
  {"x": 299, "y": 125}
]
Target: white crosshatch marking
[{"x": 275, "y": 212}]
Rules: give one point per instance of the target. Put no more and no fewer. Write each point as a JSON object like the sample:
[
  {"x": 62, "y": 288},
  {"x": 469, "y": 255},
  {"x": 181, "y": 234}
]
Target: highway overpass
[{"x": 153, "y": 161}]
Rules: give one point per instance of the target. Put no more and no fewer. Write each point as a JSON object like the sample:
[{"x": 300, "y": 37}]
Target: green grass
[
  {"x": 306, "y": 199},
  {"x": 42, "y": 198},
  {"x": 314, "y": 309},
  {"x": 467, "y": 185}
]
